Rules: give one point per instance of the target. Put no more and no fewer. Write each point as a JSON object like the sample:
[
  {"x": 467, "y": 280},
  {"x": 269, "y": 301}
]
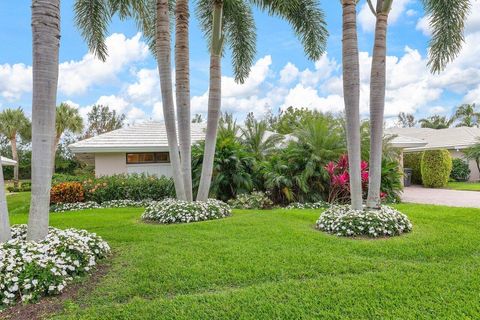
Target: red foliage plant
[{"x": 67, "y": 192}]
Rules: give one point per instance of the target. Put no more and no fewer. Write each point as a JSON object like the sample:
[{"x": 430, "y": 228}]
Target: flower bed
[
  {"x": 178, "y": 211},
  {"x": 254, "y": 200},
  {"x": 308, "y": 205},
  {"x": 64, "y": 207},
  {"x": 341, "y": 220},
  {"x": 30, "y": 270}
]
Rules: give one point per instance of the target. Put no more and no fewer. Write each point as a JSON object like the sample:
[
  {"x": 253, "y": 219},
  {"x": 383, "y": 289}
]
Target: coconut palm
[
  {"x": 5, "y": 233},
  {"x": 231, "y": 22},
  {"x": 13, "y": 123},
  {"x": 257, "y": 140},
  {"x": 351, "y": 89},
  {"x": 467, "y": 115},
  {"x": 436, "y": 122},
  {"x": 447, "y": 19},
  {"x": 46, "y": 43}
]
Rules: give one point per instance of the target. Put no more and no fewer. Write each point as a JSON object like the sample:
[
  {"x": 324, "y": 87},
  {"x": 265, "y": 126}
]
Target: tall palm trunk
[
  {"x": 46, "y": 43},
  {"x": 13, "y": 144},
  {"x": 182, "y": 74},
  {"x": 377, "y": 106},
  {"x": 351, "y": 92},
  {"x": 163, "y": 54},
  {"x": 5, "y": 233},
  {"x": 54, "y": 152},
  {"x": 214, "y": 102}
]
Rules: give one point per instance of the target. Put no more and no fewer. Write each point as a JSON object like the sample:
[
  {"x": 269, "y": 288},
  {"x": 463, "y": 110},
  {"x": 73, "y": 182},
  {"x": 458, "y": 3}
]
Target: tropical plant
[
  {"x": 473, "y": 153},
  {"x": 406, "y": 120},
  {"x": 67, "y": 119},
  {"x": 436, "y": 122},
  {"x": 232, "y": 22},
  {"x": 5, "y": 233},
  {"x": 101, "y": 120},
  {"x": 290, "y": 119},
  {"x": 351, "y": 89},
  {"x": 67, "y": 192},
  {"x": 254, "y": 200},
  {"x": 467, "y": 115},
  {"x": 436, "y": 168},
  {"x": 460, "y": 170},
  {"x": 391, "y": 185},
  {"x": 447, "y": 19},
  {"x": 14, "y": 123},
  {"x": 46, "y": 43},
  {"x": 258, "y": 141}
]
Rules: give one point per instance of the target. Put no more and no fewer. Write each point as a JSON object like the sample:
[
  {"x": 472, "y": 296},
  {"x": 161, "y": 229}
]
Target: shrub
[
  {"x": 460, "y": 170},
  {"x": 343, "y": 221},
  {"x": 436, "y": 168},
  {"x": 128, "y": 187},
  {"x": 178, "y": 211},
  {"x": 391, "y": 183},
  {"x": 308, "y": 205},
  {"x": 414, "y": 161},
  {"x": 26, "y": 186},
  {"x": 255, "y": 200},
  {"x": 67, "y": 192},
  {"x": 30, "y": 270}
]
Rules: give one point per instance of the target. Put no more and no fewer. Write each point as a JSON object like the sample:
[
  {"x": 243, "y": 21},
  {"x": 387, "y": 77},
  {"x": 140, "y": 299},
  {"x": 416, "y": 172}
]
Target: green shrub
[
  {"x": 460, "y": 170},
  {"x": 391, "y": 186},
  {"x": 414, "y": 161},
  {"x": 26, "y": 186},
  {"x": 254, "y": 200},
  {"x": 436, "y": 168}
]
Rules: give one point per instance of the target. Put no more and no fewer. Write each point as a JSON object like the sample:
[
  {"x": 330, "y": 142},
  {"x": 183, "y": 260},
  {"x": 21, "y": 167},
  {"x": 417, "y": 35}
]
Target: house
[
  {"x": 140, "y": 148},
  {"x": 455, "y": 140},
  {"x": 7, "y": 161}
]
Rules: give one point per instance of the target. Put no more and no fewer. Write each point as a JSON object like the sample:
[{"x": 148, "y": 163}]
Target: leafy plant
[
  {"x": 67, "y": 192},
  {"x": 414, "y": 161},
  {"x": 436, "y": 168},
  {"x": 391, "y": 185},
  {"x": 460, "y": 170},
  {"x": 254, "y": 200}
]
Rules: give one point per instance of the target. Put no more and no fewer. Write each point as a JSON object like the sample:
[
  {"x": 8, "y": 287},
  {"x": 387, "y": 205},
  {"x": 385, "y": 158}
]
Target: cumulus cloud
[{"x": 15, "y": 80}]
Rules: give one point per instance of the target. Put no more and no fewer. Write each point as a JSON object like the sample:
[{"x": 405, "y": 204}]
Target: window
[{"x": 150, "y": 157}]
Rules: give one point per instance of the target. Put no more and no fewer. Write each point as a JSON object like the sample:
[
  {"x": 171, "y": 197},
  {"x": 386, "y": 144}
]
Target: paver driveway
[{"x": 453, "y": 198}]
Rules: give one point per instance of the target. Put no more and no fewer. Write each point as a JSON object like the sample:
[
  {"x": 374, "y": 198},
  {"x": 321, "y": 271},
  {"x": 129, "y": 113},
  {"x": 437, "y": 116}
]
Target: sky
[{"x": 281, "y": 76}]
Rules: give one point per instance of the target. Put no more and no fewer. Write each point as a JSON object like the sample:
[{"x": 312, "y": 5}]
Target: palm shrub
[
  {"x": 391, "y": 182},
  {"x": 414, "y": 161},
  {"x": 460, "y": 170},
  {"x": 436, "y": 168}
]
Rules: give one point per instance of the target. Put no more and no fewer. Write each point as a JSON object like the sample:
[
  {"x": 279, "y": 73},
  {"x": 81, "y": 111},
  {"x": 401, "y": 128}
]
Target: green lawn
[
  {"x": 475, "y": 186},
  {"x": 274, "y": 265}
]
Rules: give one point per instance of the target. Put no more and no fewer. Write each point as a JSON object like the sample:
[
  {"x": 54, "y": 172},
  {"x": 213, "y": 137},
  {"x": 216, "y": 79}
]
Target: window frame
[{"x": 155, "y": 157}]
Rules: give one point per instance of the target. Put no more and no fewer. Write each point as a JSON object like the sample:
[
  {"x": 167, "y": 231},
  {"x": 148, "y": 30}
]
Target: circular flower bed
[
  {"x": 177, "y": 211},
  {"x": 29, "y": 270},
  {"x": 343, "y": 221}
]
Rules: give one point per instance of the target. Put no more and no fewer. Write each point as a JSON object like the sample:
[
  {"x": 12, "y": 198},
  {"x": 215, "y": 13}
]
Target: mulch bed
[{"x": 50, "y": 305}]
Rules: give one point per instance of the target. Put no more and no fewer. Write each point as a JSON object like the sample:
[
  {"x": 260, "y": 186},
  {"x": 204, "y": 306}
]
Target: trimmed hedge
[
  {"x": 436, "y": 168},
  {"x": 414, "y": 161}
]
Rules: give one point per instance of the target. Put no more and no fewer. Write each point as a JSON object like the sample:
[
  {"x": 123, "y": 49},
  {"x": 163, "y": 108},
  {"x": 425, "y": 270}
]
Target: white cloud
[
  {"x": 437, "y": 110},
  {"x": 15, "y": 80},
  {"x": 135, "y": 114},
  {"x": 366, "y": 19},
  {"x": 289, "y": 73},
  {"x": 411, "y": 12},
  {"x": 118, "y": 104},
  {"x": 307, "y": 97},
  {"x": 423, "y": 25},
  {"x": 147, "y": 88}
]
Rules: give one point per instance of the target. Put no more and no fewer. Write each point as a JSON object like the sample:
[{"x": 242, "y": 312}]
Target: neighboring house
[
  {"x": 140, "y": 148},
  {"x": 455, "y": 140},
  {"x": 7, "y": 161}
]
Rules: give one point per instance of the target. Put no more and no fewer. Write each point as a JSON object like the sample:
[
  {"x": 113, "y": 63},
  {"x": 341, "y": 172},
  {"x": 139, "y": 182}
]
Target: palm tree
[
  {"x": 473, "y": 153},
  {"x": 231, "y": 22},
  {"x": 351, "y": 89},
  {"x": 436, "y": 122},
  {"x": 67, "y": 119},
  {"x": 257, "y": 140},
  {"x": 46, "y": 43},
  {"x": 5, "y": 232},
  {"x": 13, "y": 122},
  {"x": 447, "y": 19},
  {"x": 468, "y": 115},
  {"x": 153, "y": 17},
  {"x": 406, "y": 120}
]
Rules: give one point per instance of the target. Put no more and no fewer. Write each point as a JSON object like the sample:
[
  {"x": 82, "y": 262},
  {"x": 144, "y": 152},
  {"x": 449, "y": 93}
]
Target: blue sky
[{"x": 281, "y": 76}]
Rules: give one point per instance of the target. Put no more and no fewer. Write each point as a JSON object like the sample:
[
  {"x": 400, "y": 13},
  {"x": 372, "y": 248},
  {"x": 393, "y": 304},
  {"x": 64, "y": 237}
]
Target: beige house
[{"x": 456, "y": 140}]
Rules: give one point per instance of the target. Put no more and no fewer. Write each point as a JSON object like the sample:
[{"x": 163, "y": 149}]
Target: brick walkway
[{"x": 453, "y": 198}]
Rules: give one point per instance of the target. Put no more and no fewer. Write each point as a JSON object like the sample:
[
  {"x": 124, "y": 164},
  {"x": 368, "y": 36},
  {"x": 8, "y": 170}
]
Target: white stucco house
[{"x": 455, "y": 140}]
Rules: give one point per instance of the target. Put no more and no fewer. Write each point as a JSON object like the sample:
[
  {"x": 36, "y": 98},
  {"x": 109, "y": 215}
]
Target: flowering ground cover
[{"x": 274, "y": 264}]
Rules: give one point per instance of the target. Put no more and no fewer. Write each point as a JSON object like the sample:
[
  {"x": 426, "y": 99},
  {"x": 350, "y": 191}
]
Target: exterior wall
[
  {"x": 107, "y": 164},
  {"x": 474, "y": 175}
]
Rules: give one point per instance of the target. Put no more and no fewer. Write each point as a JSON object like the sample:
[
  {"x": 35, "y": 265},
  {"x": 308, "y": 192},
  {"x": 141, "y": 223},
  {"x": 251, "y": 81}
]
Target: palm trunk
[
  {"x": 55, "y": 147},
  {"x": 214, "y": 103},
  {"x": 13, "y": 144},
  {"x": 46, "y": 43},
  {"x": 182, "y": 74},
  {"x": 351, "y": 92},
  {"x": 5, "y": 232},
  {"x": 163, "y": 48},
  {"x": 377, "y": 107}
]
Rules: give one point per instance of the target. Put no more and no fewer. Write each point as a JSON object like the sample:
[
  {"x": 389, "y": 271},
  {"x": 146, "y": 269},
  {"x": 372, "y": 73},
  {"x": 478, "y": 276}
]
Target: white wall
[{"x": 107, "y": 164}]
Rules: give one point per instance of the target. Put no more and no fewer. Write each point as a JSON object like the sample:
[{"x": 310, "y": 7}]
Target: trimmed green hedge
[
  {"x": 436, "y": 168},
  {"x": 414, "y": 161}
]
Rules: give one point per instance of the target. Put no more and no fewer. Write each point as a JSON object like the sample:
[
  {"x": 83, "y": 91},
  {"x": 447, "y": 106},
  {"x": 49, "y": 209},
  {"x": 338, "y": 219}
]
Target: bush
[
  {"x": 128, "y": 187},
  {"x": 460, "y": 170},
  {"x": 391, "y": 183},
  {"x": 26, "y": 187},
  {"x": 414, "y": 161},
  {"x": 178, "y": 211},
  {"x": 308, "y": 205},
  {"x": 436, "y": 168},
  {"x": 255, "y": 200},
  {"x": 67, "y": 192},
  {"x": 343, "y": 221},
  {"x": 30, "y": 270}
]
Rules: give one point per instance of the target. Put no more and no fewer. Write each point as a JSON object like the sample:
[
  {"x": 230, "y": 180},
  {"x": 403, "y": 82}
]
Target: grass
[
  {"x": 466, "y": 186},
  {"x": 274, "y": 265}
]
